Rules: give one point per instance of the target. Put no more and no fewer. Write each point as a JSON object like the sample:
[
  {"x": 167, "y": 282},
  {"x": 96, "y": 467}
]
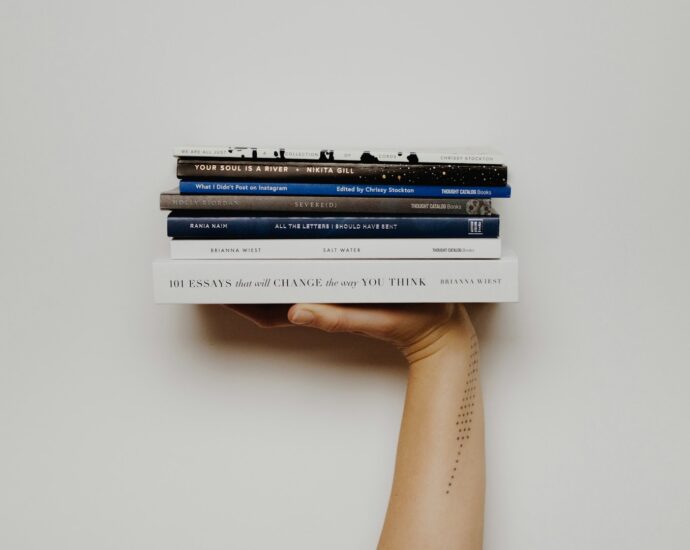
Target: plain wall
[{"x": 129, "y": 425}]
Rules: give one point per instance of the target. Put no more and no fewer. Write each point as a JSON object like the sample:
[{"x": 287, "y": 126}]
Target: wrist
[{"x": 454, "y": 336}]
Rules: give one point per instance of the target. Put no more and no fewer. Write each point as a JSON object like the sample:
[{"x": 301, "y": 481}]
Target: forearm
[{"x": 437, "y": 500}]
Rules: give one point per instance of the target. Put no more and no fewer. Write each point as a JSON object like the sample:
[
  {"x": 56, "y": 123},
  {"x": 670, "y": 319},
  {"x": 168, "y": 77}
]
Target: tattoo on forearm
[{"x": 463, "y": 422}]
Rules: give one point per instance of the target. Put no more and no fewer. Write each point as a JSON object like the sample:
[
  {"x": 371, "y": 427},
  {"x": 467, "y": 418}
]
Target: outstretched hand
[
  {"x": 437, "y": 499},
  {"x": 417, "y": 329}
]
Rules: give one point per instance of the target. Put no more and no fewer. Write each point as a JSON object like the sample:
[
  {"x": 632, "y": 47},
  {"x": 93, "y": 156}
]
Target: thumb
[{"x": 378, "y": 323}]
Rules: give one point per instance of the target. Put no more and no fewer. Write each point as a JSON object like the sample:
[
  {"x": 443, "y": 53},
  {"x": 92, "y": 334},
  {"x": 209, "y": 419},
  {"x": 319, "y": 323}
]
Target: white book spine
[
  {"x": 429, "y": 156},
  {"x": 326, "y": 281},
  {"x": 462, "y": 155},
  {"x": 338, "y": 249}
]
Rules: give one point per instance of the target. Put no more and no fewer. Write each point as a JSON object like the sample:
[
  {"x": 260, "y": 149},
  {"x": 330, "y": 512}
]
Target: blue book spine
[
  {"x": 182, "y": 225},
  {"x": 340, "y": 190}
]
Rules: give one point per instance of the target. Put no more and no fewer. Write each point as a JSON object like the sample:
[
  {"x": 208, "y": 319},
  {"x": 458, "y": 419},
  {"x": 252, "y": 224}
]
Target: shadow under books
[{"x": 223, "y": 328}]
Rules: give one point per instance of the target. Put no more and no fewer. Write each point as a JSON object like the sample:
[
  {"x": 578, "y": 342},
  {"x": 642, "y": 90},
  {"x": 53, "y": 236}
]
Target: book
[
  {"x": 331, "y": 281},
  {"x": 224, "y": 225},
  {"x": 340, "y": 190},
  {"x": 462, "y": 155},
  {"x": 330, "y": 172},
  {"x": 174, "y": 200},
  {"x": 338, "y": 249}
]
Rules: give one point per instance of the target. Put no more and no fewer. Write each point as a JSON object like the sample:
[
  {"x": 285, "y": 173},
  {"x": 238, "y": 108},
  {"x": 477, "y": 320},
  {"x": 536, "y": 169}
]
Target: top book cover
[{"x": 463, "y": 155}]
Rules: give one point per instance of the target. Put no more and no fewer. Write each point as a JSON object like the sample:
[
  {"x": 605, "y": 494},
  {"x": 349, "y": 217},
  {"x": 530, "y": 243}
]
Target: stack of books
[{"x": 286, "y": 225}]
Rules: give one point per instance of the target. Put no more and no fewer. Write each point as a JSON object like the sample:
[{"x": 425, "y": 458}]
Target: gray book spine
[{"x": 173, "y": 200}]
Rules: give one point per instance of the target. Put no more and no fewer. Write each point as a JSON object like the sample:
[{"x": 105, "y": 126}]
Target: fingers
[
  {"x": 264, "y": 315},
  {"x": 387, "y": 322},
  {"x": 400, "y": 324},
  {"x": 335, "y": 318},
  {"x": 338, "y": 318}
]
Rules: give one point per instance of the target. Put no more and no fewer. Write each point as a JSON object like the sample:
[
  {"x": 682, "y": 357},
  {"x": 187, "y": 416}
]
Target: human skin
[{"x": 437, "y": 497}]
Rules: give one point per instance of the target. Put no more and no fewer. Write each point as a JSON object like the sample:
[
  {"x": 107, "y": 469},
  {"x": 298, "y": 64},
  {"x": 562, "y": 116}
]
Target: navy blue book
[
  {"x": 223, "y": 225},
  {"x": 188, "y": 187}
]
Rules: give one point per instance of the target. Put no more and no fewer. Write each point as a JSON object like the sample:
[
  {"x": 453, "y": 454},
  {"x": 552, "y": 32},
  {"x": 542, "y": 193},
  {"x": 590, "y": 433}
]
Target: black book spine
[
  {"x": 363, "y": 205},
  {"x": 329, "y": 172}
]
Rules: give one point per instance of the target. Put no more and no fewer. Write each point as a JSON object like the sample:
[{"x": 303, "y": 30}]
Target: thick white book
[
  {"x": 338, "y": 249},
  {"x": 460, "y": 155},
  {"x": 334, "y": 281}
]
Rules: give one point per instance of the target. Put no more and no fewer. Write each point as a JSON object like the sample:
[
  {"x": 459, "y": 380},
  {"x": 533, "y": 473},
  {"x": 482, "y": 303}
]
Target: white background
[{"x": 129, "y": 425}]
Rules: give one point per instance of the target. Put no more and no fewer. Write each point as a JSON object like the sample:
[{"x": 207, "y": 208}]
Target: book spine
[
  {"x": 434, "y": 156},
  {"x": 328, "y": 172},
  {"x": 321, "y": 227},
  {"x": 338, "y": 249},
  {"x": 341, "y": 190},
  {"x": 327, "y": 281},
  {"x": 373, "y": 205}
]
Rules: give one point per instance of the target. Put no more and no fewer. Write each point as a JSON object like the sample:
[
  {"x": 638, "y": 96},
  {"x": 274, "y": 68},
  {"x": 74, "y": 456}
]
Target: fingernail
[{"x": 302, "y": 317}]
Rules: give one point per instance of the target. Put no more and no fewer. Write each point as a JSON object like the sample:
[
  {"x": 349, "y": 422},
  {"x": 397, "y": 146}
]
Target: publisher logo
[{"x": 476, "y": 227}]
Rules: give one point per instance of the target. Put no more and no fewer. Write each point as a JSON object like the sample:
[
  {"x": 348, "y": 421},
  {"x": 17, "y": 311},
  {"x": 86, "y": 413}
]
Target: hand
[{"x": 418, "y": 330}]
